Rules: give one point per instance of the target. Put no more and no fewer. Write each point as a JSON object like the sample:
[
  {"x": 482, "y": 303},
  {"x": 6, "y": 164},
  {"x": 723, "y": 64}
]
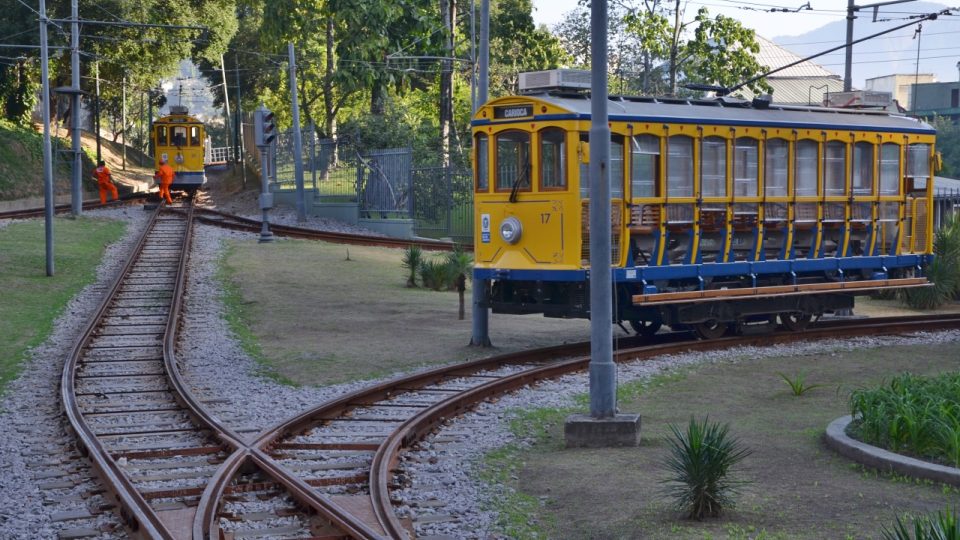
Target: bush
[
  {"x": 943, "y": 526},
  {"x": 943, "y": 272},
  {"x": 434, "y": 274},
  {"x": 920, "y": 415},
  {"x": 699, "y": 461},
  {"x": 412, "y": 259},
  {"x": 439, "y": 273}
]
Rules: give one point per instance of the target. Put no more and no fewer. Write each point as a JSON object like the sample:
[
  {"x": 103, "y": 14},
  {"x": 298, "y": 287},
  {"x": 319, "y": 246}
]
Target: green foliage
[
  {"x": 460, "y": 262},
  {"x": 797, "y": 383},
  {"x": 948, "y": 144},
  {"x": 412, "y": 259},
  {"x": 434, "y": 274},
  {"x": 920, "y": 415},
  {"x": 944, "y": 272},
  {"x": 722, "y": 52},
  {"x": 942, "y": 526},
  {"x": 699, "y": 462},
  {"x": 517, "y": 45}
]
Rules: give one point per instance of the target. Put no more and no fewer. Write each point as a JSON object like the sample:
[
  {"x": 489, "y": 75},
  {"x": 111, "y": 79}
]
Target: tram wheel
[
  {"x": 646, "y": 328},
  {"x": 711, "y": 329},
  {"x": 795, "y": 321}
]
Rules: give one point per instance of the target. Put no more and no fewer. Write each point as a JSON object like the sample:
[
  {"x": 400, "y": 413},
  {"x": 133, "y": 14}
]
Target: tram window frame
[
  {"x": 776, "y": 167},
  {"x": 523, "y": 151},
  {"x": 680, "y": 166},
  {"x": 482, "y": 163},
  {"x": 861, "y": 169},
  {"x": 644, "y": 158},
  {"x": 805, "y": 168},
  {"x": 557, "y": 159},
  {"x": 713, "y": 167},
  {"x": 918, "y": 160},
  {"x": 176, "y": 131},
  {"x": 193, "y": 138},
  {"x": 161, "y": 136},
  {"x": 890, "y": 168},
  {"x": 617, "y": 165},
  {"x": 834, "y": 168},
  {"x": 746, "y": 166}
]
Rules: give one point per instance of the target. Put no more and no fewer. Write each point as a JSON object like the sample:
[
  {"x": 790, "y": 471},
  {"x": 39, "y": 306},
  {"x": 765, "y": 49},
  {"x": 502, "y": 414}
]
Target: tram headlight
[{"x": 510, "y": 230}]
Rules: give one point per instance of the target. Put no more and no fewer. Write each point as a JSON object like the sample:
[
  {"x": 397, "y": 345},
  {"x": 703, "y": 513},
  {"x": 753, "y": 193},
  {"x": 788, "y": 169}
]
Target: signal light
[{"x": 265, "y": 127}]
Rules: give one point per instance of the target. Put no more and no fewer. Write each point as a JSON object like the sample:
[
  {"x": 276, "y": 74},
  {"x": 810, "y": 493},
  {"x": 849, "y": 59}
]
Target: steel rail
[
  {"x": 135, "y": 510},
  {"x": 64, "y": 208}
]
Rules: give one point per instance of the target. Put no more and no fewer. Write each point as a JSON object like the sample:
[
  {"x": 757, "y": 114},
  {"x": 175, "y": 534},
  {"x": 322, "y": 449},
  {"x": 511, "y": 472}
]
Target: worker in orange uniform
[
  {"x": 165, "y": 176},
  {"x": 105, "y": 182}
]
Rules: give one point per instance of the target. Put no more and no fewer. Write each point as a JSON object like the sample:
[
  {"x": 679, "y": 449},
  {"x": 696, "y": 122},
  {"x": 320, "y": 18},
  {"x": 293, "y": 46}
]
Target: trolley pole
[
  {"x": 479, "y": 312},
  {"x": 603, "y": 427}
]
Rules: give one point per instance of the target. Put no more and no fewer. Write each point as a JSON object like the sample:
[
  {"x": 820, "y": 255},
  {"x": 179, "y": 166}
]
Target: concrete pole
[
  {"x": 473, "y": 56},
  {"x": 96, "y": 108},
  {"x": 123, "y": 119},
  {"x": 47, "y": 151},
  {"x": 480, "y": 314},
  {"x": 848, "y": 59},
  {"x": 76, "y": 199},
  {"x": 226, "y": 100},
  {"x": 603, "y": 373},
  {"x": 297, "y": 138}
]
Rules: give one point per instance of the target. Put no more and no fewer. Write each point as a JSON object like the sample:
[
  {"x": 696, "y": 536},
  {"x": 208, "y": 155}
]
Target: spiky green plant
[
  {"x": 798, "y": 384},
  {"x": 459, "y": 262},
  {"x": 944, "y": 273},
  {"x": 412, "y": 259},
  {"x": 699, "y": 462},
  {"x": 434, "y": 274},
  {"x": 942, "y": 526}
]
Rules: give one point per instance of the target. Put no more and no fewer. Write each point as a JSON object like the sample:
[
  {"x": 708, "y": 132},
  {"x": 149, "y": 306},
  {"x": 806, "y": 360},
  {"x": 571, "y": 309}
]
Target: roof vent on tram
[
  {"x": 554, "y": 79},
  {"x": 178, "y": 109}
]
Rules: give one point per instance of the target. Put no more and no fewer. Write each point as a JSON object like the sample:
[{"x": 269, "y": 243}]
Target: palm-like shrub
[
  {"x": 698, "y": 462},
  {"x": 459, "y": 263},
  {"x": 434, "y": 274},
  {"x": 412, "y": 259},
  {"x": 942, "y": 526},
  {"x": 943, "y": 272}
]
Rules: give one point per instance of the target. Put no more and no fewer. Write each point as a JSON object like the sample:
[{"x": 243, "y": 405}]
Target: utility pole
[
  {"x": 123, "y": 119},
  {"x": 448, "y": 16},
  {"x": 848, "y": 60},
  {"x": 480, "y": 313},
  {"x": 96, "y": 107},
  {"x": 226, "y": 101},
  {"x": 297, "y": 138},
  {"x": 76, "y": 191},
  {"x": 47, "y": 151},
  {"x": 238, "y": 133}
]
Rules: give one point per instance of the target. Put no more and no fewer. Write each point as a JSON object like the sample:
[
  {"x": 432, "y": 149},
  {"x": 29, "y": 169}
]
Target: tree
[
  {"x": 722, "y": 53},
  {"x": 517, "y": 45}
]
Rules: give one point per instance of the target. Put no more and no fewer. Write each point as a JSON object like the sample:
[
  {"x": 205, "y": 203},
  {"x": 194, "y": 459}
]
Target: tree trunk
[
  {"x": 330, "y": 115},
  {"x": 448, "y": 13},
  {"x": 673, "y": 49}
]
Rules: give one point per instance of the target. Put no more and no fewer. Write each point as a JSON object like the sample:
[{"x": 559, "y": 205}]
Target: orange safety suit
[
  {"x": 165, "y": 175},
  {"x": 105, "y": 183}
]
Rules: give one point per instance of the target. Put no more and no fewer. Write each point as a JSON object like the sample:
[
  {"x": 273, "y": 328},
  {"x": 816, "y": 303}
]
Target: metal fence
[{"x": 385, "y": 183}]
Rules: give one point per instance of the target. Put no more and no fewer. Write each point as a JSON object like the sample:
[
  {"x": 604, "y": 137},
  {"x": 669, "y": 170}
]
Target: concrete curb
[{"x": 878, "y": 458}]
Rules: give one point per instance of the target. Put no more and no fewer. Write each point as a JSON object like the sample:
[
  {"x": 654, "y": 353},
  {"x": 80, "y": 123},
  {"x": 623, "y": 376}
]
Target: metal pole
[
  {"x": 473, "y": 56},
  {"x": 297, "y": 138},
  {"x": 150, "y": 124},
  {"x": 238, "y": 140},
  {"x": 47, "y": 151},
  {"x": 313, "y": 156},
  {"x": 226, "y": 99},
  {"x": 848, "y": 59},
  {"x": 266, "y": 198},
  {"x": 916, "y": 72},
  {"x": 479, "y": 312},
  {"x": 76, "y": 192},
  {"x": 96, "y": 116},
  {"x": 123, "y": 119},
  {"x": 603, "y": 374}
]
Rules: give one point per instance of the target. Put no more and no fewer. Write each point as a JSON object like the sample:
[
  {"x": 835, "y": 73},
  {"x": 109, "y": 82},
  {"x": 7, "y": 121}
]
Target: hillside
[{"x": 21, "y": 164}]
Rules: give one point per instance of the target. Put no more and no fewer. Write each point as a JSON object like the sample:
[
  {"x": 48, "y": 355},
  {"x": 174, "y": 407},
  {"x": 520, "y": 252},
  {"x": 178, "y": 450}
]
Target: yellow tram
[
  {"x": 724, "y": 211},
  {"x": 180, "y": 139}
]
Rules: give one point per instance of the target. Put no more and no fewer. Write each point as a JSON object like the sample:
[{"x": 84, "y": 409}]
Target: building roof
[{"x": 799, "y": 84}]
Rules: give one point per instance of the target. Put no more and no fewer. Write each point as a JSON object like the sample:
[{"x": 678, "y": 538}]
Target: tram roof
[{"x": 729, "y": 111}]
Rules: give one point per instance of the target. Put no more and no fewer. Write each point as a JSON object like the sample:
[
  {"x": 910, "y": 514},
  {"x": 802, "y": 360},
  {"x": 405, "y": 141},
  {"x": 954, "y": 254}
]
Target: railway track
[
  {"x": 26, "y": 213},
  {"x": 335, "y": 471}
]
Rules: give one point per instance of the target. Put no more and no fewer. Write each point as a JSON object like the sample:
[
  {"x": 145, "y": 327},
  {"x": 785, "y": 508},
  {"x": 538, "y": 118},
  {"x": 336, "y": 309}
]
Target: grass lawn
[
  {"x": 31, "y": 300},
  {"x": 798, "y": 488}
]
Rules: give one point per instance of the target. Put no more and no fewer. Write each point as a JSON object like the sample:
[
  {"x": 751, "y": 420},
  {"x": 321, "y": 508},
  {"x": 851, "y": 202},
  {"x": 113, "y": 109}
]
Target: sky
[{"x": 753, "y": 14}]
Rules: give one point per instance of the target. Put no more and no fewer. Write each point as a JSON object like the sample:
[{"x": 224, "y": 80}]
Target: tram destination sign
[{"x": 513, "y": 111}]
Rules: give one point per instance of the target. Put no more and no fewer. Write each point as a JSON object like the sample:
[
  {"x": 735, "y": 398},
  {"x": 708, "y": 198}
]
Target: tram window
[
  {"x": 584, "y": 169},
  {"x": 482, "y": 164},
  {"x": 513, "y": 160},
  {"x": 616, "y": 167},
  {"x": 179, "y": 137},
  {"x": 713, "y": 167},
  {"x": 834, "y": 166},
  {"x": 161, "y": 136},
  {"x": 553, "y": 164},
  {"x": 918, "y": 160},
  {"x": 644, "y": 165},
  {"x": 862, "y": 177},
  {"x": 680, "y": 166},
  {"x": 806, "y": 173},
  {"x": 775, "y": 166},
  {"x": 194, "y": 135},
  {"x": 746, "y": 168},
  {"x": 889, "y": 169}
]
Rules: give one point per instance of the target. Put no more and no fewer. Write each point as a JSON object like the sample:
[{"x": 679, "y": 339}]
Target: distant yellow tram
[
  {"x": 724, "y": 211},
  {"x": 180, "y": 139}
]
